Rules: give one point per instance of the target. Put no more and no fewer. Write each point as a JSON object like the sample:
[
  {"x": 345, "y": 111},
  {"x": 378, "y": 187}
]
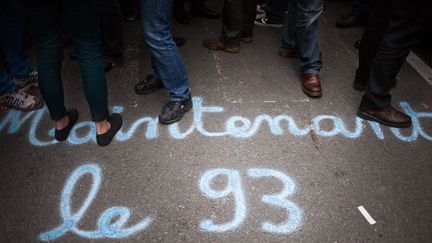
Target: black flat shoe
[
  {"x": 108, "y": 65},
  {"x": 150, "y": 84},
  {"x": 63, "y": 134},
  {"x": 116, "y": 122}
]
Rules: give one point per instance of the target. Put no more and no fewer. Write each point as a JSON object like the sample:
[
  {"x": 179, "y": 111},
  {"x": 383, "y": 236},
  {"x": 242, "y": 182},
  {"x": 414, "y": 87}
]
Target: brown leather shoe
[
  {"x": 311, "y": 85},
  {"x": 246, "y": 40},
  {"x": 349, "y": 21},
  {"x": 388, "y": 116},
  {"x": 215, "y": 45}
]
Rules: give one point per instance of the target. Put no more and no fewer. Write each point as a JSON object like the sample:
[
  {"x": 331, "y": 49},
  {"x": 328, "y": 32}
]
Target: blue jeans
[
  {"x": 12, "y": 37},
  {"x": 6, "y": 83},
  {"x": 300, "y": 31},
  {"x": 165, "y": 57}
]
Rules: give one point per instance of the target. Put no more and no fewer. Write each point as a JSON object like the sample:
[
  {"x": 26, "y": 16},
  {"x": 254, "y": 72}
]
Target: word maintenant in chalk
[
  {"x": 112, "y": 222},
  {"x": 235, "y": 126}
]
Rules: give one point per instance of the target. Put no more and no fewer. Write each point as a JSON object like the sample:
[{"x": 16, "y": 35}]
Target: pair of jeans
[
  {"x": 12, "y": 31},
  {"x": 407, "y": 21},
  {"x": 300, "y": 31},
  {"x": 83, "y": 21},
  {"x": 275, "y": 10},
  {"x": 362, "y": 8},
  {"x": 165, "y": 57},
  {"x": 112, "y": 31},
  {"x": 238, "y": 17},
  {"x": 6, "y": 83}
]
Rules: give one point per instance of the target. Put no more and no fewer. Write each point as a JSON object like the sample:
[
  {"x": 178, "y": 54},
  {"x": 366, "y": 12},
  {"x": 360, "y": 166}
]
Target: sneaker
[
  {"x": 150, "y": 84},
  {"x": 260, "y": 9},
  {"x": 173, "y": 111},
  {"x": 262, "y": 20},
  {"x": 28, "y": 82},
  {"x": 21, "y": 101}
]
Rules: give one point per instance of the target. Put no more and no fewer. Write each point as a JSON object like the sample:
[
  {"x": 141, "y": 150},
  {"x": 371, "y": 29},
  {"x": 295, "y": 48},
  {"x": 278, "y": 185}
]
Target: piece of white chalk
[{"x": 366, "y": 215}]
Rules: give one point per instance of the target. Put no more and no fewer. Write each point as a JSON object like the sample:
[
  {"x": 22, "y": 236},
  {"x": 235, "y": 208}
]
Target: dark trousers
[
  {"x": 376, "y": 25},
  {"x": 112, "y": 32},
  {"x": 83, "y": 21},
  {"x": 129, "y": 7},
  {"x": 362, "y": 8},
  {"x": 407, "y": 21},
  {"x": 238, "y": 17},
  {"x": 275, "y": 10}
]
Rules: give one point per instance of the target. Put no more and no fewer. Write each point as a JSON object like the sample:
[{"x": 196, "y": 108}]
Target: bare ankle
[
  {"x": 102, "y": 127},
  {"x": 62, "y": 123}
]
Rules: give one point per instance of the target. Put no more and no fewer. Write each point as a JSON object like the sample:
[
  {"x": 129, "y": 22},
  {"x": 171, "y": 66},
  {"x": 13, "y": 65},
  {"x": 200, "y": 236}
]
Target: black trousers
[
  {"x": 112, "y": 32},
  {"x": 238, "y": 17},
  {"x": 129, "y": 7},
  {"x": 393, "y": 28}
]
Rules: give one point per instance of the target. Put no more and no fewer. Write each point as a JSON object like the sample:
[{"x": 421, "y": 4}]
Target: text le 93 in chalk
[{"x": 113, "y": 222}]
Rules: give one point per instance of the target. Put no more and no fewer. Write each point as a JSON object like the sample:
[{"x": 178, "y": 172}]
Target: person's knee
[{"x": 158, "y": 38}]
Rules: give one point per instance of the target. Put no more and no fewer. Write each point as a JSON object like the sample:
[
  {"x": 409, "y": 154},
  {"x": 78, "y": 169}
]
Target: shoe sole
[
  {"x": 276, "y": 26},
  {"x": 223, "y": 49},
  {"x": 312, "y": 94},
  {"x": 185, "y": 109},
  {"x": 247, "y": 42},
  {"x": 36, "y": 107},
  {"x": 366, "y": 116}
]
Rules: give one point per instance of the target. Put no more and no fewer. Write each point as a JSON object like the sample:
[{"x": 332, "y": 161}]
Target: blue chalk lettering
[
  {"x": 15, "y": 119},
  {"x": 106, "y": 227},
  {"x": 34, "y": 128},
  {"x": 89, "y": 137},
  {"x": 233, "y": 186},
  {"x": 197, "y": 124},
  {"x": 293, "y": 211},
  {"x": 416, "y": 125},
  {"x": 235, "y": 126}
]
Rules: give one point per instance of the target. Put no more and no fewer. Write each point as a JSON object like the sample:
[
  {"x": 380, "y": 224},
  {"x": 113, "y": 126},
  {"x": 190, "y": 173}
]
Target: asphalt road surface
[{"x": 255, "y": 161}]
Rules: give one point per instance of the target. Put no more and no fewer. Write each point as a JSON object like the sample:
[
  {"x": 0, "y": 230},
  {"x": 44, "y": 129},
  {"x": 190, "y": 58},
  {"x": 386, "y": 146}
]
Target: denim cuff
[{"x": 181, "y": 97}]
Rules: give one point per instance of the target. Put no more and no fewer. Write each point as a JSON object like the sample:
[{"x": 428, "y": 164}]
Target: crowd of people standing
[{"x": 392, "y": 28}]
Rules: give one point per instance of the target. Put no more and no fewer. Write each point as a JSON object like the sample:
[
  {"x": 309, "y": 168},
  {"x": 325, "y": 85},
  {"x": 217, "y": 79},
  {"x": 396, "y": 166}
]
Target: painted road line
[
  {"x": 421, "y": 67},
  {"x": 366, "y": 215}
]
